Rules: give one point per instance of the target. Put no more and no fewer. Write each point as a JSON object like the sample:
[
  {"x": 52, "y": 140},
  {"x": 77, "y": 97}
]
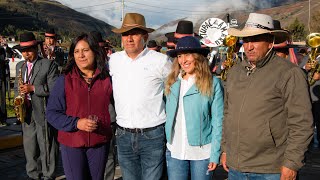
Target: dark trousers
[
  {"x": 84, "y": 163},
  {"x": 316, "y": 117}
]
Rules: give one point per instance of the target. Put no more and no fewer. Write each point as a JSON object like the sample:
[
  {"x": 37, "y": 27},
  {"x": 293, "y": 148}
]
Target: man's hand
[
  {"x": 288, "y": 174},
  {"x": 87, "y": 125},
  {"x": 223, "y": 161},
  {"x": 26, "y": 88}
]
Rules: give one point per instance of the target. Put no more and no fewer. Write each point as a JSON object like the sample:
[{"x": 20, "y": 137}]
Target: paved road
[{"x": 12, "y": 160}]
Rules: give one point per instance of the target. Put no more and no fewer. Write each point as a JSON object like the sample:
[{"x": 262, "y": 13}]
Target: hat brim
[
  {"x": 174, "y": 53},
  {"x": 280, "y": 35},
  {"x": 128, "y": 28},
  {"x": 20, "y": 48}
]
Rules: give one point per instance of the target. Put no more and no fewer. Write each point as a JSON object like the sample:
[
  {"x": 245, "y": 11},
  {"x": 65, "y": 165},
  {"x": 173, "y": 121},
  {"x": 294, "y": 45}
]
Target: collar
[
  {"x": 142, "y": 53},
  {"x": 261, "y": 62}
]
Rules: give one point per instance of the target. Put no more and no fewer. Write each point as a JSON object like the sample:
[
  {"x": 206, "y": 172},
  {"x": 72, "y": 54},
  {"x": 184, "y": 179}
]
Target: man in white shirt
[{"x": 138, "y": 77}]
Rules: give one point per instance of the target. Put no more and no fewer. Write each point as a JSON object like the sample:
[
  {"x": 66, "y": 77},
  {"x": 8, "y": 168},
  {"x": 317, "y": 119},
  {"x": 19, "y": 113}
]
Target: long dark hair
[{"x": 99, "y": 56}]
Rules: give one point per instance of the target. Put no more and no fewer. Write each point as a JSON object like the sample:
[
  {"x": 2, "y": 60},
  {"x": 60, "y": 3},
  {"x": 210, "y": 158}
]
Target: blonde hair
[{"x": 203, "y": 75}]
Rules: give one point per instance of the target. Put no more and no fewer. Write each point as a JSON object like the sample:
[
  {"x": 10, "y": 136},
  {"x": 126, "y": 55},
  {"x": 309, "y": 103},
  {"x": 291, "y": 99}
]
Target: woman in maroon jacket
[{"x": 78, "y": 108}]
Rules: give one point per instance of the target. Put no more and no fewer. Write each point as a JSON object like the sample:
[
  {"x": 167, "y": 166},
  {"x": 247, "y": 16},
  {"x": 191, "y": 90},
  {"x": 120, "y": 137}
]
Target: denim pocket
[
  {"x": 119, "y": 132},
  {"x": 154, "y": 134}
]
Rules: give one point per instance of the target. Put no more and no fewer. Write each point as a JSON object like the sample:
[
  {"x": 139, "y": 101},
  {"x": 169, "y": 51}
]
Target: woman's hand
[
  {"x": 87, "y": 125},
  {"x": 212, "y": 166}
]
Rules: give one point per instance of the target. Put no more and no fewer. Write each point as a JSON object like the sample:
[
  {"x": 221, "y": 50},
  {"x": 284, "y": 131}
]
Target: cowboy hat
[
  {"x": 152, "y": 45},
  {"x": 27, "y": 40},
  {"x": 277, "y": 26},
  {"x": 258, "y": 24},
  {"x": 188, "y": 44},
  {"x": 98, "y": 36},
  {"x": 131, "y": 21},
  {"x": 184, "y": 28},
  {"x": 50, "y": 33}
]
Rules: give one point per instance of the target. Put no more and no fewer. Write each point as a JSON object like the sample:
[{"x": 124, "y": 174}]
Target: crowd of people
[{"x": 170, "y": 115}]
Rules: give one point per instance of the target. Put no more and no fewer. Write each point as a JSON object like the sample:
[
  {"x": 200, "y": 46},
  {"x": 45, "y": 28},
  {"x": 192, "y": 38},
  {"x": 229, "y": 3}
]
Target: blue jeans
[
  {"x": 237, "y": 175},
  {"x": 180, "y": 169},
  {"x": 141, "y": 155}
]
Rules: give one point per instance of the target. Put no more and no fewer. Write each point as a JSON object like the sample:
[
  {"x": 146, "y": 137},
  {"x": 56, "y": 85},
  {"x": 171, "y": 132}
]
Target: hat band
[
  {"x": 178, "y": 35},
  {"x": 170, "y": 44},
  {"x": 256, "y": 25},
  {"x": 49, "y": 34},
  {"x": 131, "y": 25},
  {"x": 28, "y": 43}
]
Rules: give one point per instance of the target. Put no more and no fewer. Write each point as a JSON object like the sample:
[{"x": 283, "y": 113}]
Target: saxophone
[
  {"x": 313, "y": 41},
  {"x": 19, "y": 101},
  {"x": 229, "y": 41}
]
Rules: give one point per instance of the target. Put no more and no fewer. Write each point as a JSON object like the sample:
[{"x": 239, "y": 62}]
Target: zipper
[
  {"x": 241, "y": 108},
  {"x": 89, "y": 110},
  {"x": 201, "y": 113}
]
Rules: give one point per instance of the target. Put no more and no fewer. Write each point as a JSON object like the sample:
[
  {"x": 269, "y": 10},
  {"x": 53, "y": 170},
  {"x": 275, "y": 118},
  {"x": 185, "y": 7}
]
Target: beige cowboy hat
[
  {"x": 131, "y": 21},
  {"x": 258, "y": 24}
]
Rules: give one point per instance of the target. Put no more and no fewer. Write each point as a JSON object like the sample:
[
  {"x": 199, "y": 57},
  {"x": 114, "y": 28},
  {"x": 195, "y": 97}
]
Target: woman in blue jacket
[{"x": 194, "y": 113}]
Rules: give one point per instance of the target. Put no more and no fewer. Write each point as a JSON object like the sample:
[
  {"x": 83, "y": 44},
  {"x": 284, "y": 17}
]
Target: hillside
[
  {"x": 286, "y": 12},
  {"x": 39, "y": 15}
]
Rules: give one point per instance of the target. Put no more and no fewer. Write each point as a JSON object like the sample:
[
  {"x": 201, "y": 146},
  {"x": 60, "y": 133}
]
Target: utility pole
[{"x": 122, "y": 10}]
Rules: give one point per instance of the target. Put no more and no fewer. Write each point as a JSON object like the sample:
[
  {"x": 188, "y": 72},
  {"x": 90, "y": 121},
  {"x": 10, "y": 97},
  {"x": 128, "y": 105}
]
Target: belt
[{"x": 139, "y": 130}]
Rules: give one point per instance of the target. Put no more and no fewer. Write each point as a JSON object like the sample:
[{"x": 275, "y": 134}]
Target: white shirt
[
  {"x": 180, "y": 148},
  {"x": 138, "y": 86}
]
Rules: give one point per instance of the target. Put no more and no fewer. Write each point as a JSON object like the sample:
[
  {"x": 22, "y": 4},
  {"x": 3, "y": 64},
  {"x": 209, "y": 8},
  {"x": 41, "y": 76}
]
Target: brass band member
[{"x": 39, "y": 139}]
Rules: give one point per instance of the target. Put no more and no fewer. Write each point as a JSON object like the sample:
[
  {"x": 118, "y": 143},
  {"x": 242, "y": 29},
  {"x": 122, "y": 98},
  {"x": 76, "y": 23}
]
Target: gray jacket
[
  {"x": 43, "y": 78},
  {"x": 268, "y": 119}
]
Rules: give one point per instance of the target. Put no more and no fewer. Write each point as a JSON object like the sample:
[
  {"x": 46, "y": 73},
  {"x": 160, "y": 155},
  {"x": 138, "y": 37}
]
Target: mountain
[
  {"x": 286, "y": 11},
  {"x": 39, "y": 15}
]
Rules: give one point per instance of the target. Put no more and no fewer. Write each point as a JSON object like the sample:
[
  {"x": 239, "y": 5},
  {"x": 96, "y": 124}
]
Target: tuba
[
  {"x": 19, "y": 101},
  {"x": 313, "y": 41},
  {"x": 230, "y": 41}
]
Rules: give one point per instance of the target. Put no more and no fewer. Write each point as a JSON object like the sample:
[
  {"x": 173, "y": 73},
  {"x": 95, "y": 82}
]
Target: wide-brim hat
[
  {"x": 258, "y": 24},
  {"x": 287, "y": 45},
  {"x": 27, "y": 40},
  {"x": 98, "y": 36},
  {"x": 285, "y": 38},
  {"x": 131, "y": 21},
  {"x": 50, "y": 33},
  {"x": 184, "y": 28},
  {"x": 188, "y": 44},
  {"x": 152, "y": 44},
  {"x": 171, "y": 42}
]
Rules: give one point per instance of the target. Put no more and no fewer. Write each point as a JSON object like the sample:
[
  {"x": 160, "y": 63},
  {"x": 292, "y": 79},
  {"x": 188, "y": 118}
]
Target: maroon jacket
[{"x": 72, "y": 98}]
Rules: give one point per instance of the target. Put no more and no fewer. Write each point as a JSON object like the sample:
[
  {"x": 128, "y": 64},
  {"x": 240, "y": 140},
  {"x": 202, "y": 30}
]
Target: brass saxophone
[
  {"x": 230, "y": 42},
  {"x": 19, "y": 101},
  {"x": 313, "y": 41}
]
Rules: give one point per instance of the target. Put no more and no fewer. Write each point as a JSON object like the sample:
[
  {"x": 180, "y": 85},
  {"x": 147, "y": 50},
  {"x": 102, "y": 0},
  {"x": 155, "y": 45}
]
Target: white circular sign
[{"x": 213, "y": 31}]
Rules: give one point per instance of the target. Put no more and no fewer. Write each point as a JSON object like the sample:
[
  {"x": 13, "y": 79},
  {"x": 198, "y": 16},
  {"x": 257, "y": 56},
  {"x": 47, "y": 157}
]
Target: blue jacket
[{"x": 203, "y": 116}]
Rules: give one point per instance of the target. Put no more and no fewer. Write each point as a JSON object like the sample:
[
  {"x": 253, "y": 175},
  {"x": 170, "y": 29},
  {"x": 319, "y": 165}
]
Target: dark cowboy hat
[
  {"x": 152, "y": 44},
  {"x": 27, "y": 40},
  {"x": 286, "y": 37},
  {"x": 184, "y": 28},
  {"x": 98, "y": 36},
  {"x": 188, "y": 44},
  {"x": 131, "y": 21},
  {"x": 171, "y": 42},
  {"x": 50, "y": 33}
]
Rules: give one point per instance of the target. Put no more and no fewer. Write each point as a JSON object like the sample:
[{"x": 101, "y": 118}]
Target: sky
[
  {"x": 160, "y": 12},
  {"x": 156, "y": 12}
]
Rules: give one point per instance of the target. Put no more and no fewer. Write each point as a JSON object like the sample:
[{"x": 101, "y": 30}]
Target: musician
[
  {"x": 315, "y": 96},
  {"x": 39, "y": 138},
  {"x": 49, "y": 49},
  {"x": 267, "y": 118}
]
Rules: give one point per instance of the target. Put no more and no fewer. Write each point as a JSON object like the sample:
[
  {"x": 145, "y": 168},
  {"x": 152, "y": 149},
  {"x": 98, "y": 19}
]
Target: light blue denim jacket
[{"x": 203, "y": 116}]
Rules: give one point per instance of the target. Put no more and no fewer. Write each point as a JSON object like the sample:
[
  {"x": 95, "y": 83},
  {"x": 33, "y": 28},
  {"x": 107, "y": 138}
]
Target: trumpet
[
  {"x": 313, "y": 41},
  {"x": 229, "y": 41}
]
